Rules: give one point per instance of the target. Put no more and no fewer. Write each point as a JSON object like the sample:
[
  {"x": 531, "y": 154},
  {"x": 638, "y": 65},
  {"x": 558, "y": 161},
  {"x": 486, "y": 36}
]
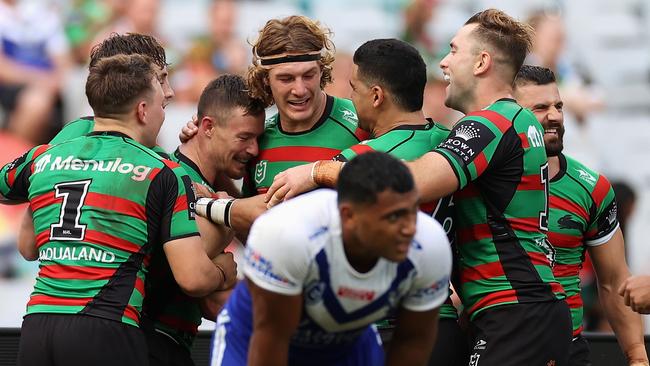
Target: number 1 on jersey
[
  {"x": 543, "y": 215},
  {"x": 74, "y": 195}
]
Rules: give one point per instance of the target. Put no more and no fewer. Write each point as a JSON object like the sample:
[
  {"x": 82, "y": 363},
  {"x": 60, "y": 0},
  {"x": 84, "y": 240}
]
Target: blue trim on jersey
[{"x": 334, "y": 307}]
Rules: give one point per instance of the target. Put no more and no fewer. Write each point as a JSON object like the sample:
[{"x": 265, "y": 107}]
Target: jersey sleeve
[
  {"x": 276, "y": 260},
  {"x": 603, "y": 225},
  {"x": 470, "y": 147},
  {"x": 168, "y": 204},
  {"x": 432, "y": 259},
  {"x": 351, "y": 152},
  {"x": 14, "y": 176}
]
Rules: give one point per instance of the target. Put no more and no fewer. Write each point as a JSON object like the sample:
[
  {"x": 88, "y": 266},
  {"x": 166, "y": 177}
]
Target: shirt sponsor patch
[{"x": 467, "y": 140}]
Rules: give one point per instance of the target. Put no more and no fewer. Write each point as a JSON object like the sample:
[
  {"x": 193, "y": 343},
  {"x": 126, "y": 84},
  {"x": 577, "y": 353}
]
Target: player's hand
[
  {"x": 227, "y": 263},
  {"x": 290, "y": 183},
  {"x": 189, "y": 130},
  {"x": 636, "y": 293},
  {"x": 202, "y": 191}
]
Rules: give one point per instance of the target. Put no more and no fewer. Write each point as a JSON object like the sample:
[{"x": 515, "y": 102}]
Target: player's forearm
[
  {"x": 27, "y": 238},
  {"x": 627, "y": 324},
  {"x": 215, "y": 238},
  {"x": 268, "y": 349},
  {"x": 244, "y": 212}
]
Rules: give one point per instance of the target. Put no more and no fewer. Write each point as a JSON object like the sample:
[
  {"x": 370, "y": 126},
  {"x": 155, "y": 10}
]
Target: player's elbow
[
  {"x": 29, "y": 254},
  {"x": 195, "y": 286}
]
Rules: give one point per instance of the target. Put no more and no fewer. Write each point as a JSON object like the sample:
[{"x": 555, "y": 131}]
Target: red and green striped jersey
[
  {"x": 409, "y": 142},
  {"x": 336, "y": 130},
  {"x": 499, "y": 158},
  {"x": 83, "y": 126},
  {"x": 101, "y": 204},
  {"x": 171, "y": 310},
  {"x": 582, "y": 213}
]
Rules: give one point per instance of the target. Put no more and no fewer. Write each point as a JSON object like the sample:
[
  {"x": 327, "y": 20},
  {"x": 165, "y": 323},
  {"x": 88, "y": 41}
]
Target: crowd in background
[{"x": 44, "y": 48}]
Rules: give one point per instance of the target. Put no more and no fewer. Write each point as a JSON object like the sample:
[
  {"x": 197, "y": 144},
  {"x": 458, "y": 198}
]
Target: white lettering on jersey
[{"x": 140, "y": 172}]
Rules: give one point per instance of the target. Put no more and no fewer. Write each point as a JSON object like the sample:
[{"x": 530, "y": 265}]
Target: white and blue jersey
[{"x": 296, "y": 248}]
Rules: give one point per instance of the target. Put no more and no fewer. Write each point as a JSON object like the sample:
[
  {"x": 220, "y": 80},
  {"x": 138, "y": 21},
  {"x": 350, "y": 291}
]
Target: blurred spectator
[
  {"x": 84, "y": 20},
  {"x": 218, "y": 52},
  {"x": 135, "y": 16},
  {"x": 416, "y": 16},
  {"x": 341, "y": 73},
  {"x": 548, "y": 50},
  {"x": 33, "y": 62}
]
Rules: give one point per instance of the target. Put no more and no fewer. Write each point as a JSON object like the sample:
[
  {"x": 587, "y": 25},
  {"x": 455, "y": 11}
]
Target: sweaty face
[
  {"x": 386, "y": 227},
  {"x": 457, "y": 68},
  {"x": 235, "y": 142},
  {"x": 296, "y": 91},
  {"x": 163, "y": 79},
  {"x": 362, "y": 99},
  {"x": 545, "y": 102}
]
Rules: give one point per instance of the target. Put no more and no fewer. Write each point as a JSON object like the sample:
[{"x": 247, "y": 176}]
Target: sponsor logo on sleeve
[
  {"x": 264, "y": 268},
  {"x": 434, "y": 290},
  {"x": 535, "y": 137},
  {"x": 468, "y": 139}
]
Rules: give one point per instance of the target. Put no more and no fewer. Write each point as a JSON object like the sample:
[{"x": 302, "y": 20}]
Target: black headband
[{"x": 290, "y": 58}]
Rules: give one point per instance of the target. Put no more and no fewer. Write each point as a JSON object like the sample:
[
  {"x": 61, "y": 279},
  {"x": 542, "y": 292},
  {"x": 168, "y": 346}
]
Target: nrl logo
[
  {"x": 584, "y": 175},
  {"x": 350, "y": 116},
  {"x": 260, "y": 171}
]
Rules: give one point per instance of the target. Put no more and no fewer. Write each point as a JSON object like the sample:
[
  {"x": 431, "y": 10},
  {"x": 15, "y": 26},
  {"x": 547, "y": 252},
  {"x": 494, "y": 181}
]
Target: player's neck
[
  {"x": 487, "y": 93},
  {"x": 553, "y": 166},
  {"x": 357, "y": 257},
  {"x": 296, "y": 126},
  {"x": 192, "y": 149},
  {"x": 393, "y": 119},
  {"x": 126, "y": 127}
]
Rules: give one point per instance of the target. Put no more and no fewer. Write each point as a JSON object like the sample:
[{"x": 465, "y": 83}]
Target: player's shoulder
[
  {"x": 74, "y": 129},
  {"x": 302, "y": 223},
  {"x": 430, "y": 240},
  {"x": 438, "y": 132},
  {"x": 583, "y": 174},
  {"x": 343, "y": 112}
]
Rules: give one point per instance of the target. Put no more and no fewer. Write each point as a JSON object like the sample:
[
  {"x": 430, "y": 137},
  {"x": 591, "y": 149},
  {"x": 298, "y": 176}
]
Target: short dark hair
[
  {"x": 129, "y": 44},
  {"x": 537, "y": 75},
  {"x": 225, "y": 93},
  {"x": 396, "y": 66},
  {"x": 369, "y": 174},
  {"x": 115, "y": 83},
  {"x": 513, "y": 39}
]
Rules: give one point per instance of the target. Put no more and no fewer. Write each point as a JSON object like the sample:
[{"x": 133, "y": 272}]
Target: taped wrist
[
  {"x": 215, "y": 210},
  {"x": 325, "y": 173}
]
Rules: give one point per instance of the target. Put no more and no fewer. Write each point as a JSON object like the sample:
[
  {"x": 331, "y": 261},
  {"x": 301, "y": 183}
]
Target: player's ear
[
  {"x": 483, "y": 63},
  {"x": 207, "y": 124},
  {"x": 377, "y": 96},
  {"x": 141, "y": 112},
  {"x": 347, "y": 215}
]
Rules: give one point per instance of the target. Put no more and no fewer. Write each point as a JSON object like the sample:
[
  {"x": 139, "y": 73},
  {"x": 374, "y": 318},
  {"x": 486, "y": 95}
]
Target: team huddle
[{"x": 355, "y": 213}]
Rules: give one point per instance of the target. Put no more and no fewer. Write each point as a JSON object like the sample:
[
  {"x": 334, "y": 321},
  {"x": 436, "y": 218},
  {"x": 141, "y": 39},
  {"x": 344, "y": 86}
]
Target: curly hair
[
  {"x": 293, "y": 35},
  {"x": 511, "y": 38}
]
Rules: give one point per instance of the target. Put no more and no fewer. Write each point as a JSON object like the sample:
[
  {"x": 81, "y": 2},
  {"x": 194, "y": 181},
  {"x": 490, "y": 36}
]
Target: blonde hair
[
  {"x": 295, "y": 34},
  {"x": 511, "y": 38}
]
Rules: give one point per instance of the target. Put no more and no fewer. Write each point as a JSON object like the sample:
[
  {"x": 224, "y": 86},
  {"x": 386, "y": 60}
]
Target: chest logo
[
  {"x": 566, "y": 222},
  {"x": 349, "y": 116},
  {"x": 535, "y": 137},
  {"x": 584, "y": 175},
  {"x": 260, "y": 171}
]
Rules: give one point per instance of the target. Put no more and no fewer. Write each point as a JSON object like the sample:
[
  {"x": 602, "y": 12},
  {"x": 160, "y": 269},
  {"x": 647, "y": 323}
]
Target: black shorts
[
  {"x": 71, "y": 340},
  {"x": 451, "y": 348},
  {"x": 533, "y": 334},
  {"x": 165, "y": 351},
  {"x": 579, "y": 354}
]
